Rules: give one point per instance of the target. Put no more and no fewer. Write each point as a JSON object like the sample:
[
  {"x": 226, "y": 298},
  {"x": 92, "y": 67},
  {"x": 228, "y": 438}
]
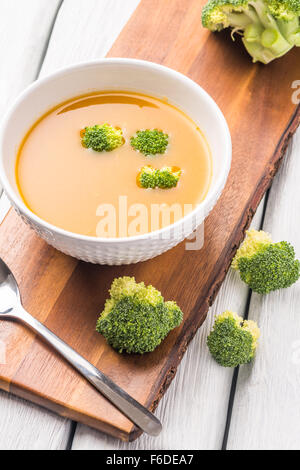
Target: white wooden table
[{"x": 206, "y": 406}]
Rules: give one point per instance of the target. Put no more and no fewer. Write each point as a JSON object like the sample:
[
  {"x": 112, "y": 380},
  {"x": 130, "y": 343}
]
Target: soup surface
[{"x": 95, "y": 193}]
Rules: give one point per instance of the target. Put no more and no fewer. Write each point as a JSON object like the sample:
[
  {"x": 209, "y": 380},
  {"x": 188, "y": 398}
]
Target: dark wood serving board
[{"x": 67, "y": 295}]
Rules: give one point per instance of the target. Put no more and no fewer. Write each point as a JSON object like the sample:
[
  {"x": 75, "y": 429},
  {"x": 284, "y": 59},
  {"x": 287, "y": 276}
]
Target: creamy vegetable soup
[{"x": 113, "y": 164}]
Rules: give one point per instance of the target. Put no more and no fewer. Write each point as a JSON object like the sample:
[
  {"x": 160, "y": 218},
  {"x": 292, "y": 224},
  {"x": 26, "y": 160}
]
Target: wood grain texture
[
  {"x": 262, "y": 117},
  {"x": 266, "y": 406},
  {"x": 24, "y": 31},
  {"x": 25, "y": 28}
]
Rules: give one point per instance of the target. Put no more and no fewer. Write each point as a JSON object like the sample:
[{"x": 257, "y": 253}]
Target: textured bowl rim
[{"x": 218, "y": 185}]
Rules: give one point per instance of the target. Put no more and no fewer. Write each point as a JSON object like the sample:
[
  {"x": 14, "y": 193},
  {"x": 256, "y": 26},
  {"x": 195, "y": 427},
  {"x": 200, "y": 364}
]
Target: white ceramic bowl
[{"x": 118, "y": 74}]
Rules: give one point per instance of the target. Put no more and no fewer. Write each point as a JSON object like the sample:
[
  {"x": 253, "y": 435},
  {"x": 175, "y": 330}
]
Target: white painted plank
[
  {"x": 194, "y": 409},
  {"x": 24, "y": 30},
  {"x": 267, "y": 407},
  {"x": 25, "y": 426},
  {"x": 86, "y": 30}
]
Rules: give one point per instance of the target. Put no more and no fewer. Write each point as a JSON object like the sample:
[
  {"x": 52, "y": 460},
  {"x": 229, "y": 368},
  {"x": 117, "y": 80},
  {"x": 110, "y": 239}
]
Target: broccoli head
[
  {"x": 266, "y": 266},
  {"x": 147, "y": 177},
  {"x": 165, "y": 178},
  {"x": 270, "y": 28},
  {"x": 150, "y": 141},
  {"x": 102, "y": 138},
  {"x": 168, "y": 177},
  {"x": 233, "y": 341},
  {"x": 136, "y": 318}
]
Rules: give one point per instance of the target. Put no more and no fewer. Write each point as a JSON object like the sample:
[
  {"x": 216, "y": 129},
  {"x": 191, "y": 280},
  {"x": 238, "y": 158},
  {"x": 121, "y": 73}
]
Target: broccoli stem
[
  {"x": 258, "y": 52},
  {"x": 273, "y": 40},
  {"x": 269, "y": 37},
  {"x": 242, "y": 19},
  {"x": 296, "y": 38},
  {"x": 263, "y": 38},
  {"x": 261, "y": 10},
  {"x": 253, "y": 32}
]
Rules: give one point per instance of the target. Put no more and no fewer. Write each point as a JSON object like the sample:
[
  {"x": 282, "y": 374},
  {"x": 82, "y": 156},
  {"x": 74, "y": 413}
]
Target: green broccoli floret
[
  {"x": 270, "y": 28},
  {"x": 266, "y": 266},
  {"x": 102, "y": 138},
  {"x": 233, "y": 341},
  {"x": 150, "y": 142},
  {"x": 166, "y": 178},
  {"x": 135, "y": 318},
  {"x": 147, "y": 177}
]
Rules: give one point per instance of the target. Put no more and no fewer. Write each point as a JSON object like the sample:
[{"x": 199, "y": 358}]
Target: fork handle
[{"x": 137, "y": 413}]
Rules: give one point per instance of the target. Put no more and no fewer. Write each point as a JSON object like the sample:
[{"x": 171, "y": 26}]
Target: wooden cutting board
[{"x": 68, "y": 295}]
